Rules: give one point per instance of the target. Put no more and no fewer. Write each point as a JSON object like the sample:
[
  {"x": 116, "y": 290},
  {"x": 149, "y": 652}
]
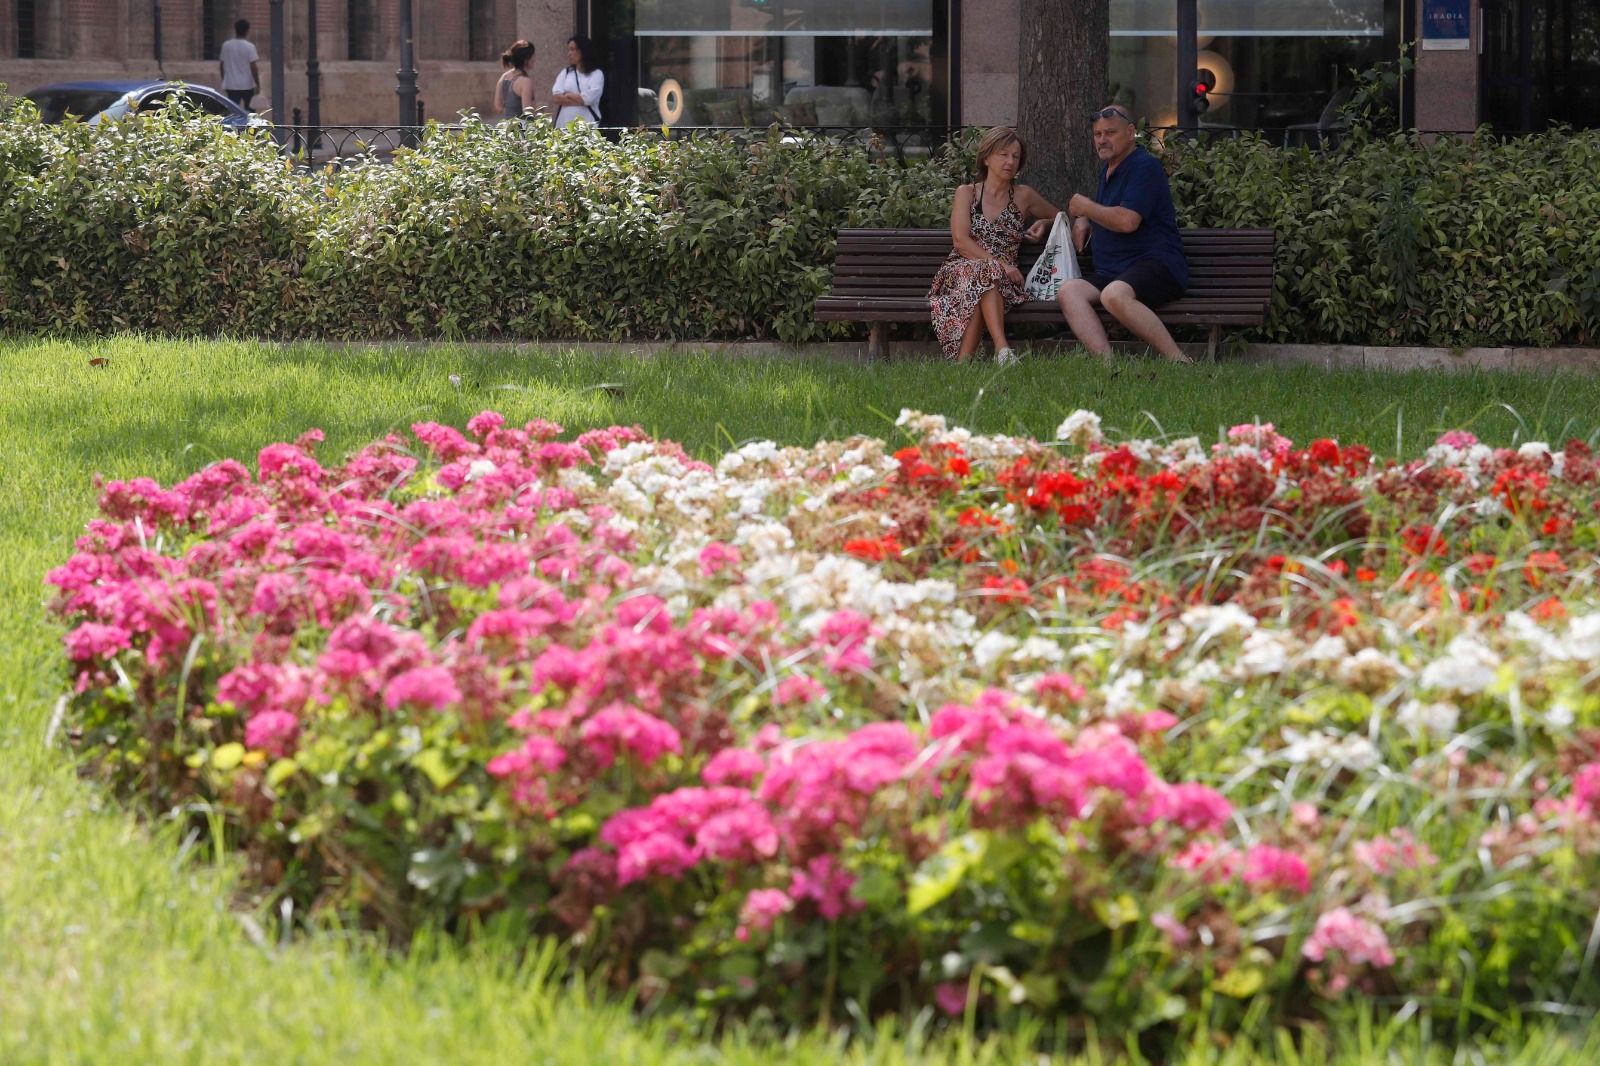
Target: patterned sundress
[{"x": 961, "y": 283}]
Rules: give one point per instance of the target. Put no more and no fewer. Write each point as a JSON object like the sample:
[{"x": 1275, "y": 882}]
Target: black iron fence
[
  {"x": 338, "y": 146},
  {"x": 318, "y": 146}
]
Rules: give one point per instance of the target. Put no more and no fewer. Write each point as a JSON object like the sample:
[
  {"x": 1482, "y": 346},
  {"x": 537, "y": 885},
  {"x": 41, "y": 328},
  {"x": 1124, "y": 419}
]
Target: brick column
[
  {"x": 548, "y": 24},
  {"x": 990, "y": 36},
  {"x": 441, "y": 29}
]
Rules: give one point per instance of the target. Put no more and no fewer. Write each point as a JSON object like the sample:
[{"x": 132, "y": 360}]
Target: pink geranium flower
[
  {"x": 431, "y": 687},
  {"x": 763, "y": 907},
  {"x": 825, "y": 882},
  {"x": 1267, "y": 867},
  {"x": 951, "y": 997},
  {"x": 1357, "y": 941},
  {"x": 274, "y": 732}
]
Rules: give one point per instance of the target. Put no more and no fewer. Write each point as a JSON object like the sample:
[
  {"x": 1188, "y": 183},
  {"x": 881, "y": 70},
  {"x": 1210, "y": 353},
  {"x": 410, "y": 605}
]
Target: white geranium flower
[
  {"x": 765, "y": 539},
  {"x": 1325, "y": 749},
  {"x": 1534, "y": 449},
  {"x": 1371, "y": 670},
  {"x": 1583, "y": 638},
  {"x": 1081, "y": 428},
  {"x": 1265, "y": 653},
  {"x": 991, "y": 648},
  {"x": 1468, "y": 666},
  {"x": 1327, "y": 649},
  {"x": 1212, "y": 622},
  {"x": 1038, "y": 649},
  {"x": 1122, "y": 695},
  {"x": 574, "y": 480},
  {"x": 1439, "y": 718}
]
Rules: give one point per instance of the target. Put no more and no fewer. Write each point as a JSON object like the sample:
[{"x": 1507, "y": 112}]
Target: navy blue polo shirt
[{"x": 1139, "y": 184}]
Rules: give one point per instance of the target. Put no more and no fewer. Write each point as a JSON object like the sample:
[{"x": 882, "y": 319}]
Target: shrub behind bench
[{"x": 523, "y": 232}]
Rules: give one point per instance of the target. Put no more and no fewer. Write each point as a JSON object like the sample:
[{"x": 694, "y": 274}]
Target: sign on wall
[{"x": 1447, "y": 24}]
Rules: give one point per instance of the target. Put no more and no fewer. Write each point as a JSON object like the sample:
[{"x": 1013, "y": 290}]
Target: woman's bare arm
[
  {"x": 525, "y": 93},
  {"x": 961, "y": 226},
  {"x": 1037, "y": 207}
]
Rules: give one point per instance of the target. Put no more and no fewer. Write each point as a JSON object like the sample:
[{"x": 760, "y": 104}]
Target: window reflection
[
  {"x": 803, "y": 62},
  {"x": 1282, "y": 66}
]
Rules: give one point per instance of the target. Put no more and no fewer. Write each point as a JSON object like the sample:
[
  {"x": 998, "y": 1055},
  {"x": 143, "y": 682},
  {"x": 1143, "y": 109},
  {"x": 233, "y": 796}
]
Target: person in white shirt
[
  {"x": 577, "y": 90},
  {"x": 241, "y": 77}
]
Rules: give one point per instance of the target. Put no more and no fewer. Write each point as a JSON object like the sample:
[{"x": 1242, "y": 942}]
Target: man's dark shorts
[
  {"x": 1152, "y": 283},
  {"x": 242, "y": 97}
]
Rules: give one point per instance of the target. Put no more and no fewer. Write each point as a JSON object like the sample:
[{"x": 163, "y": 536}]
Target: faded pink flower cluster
[{"x": 1346, "y": 942}]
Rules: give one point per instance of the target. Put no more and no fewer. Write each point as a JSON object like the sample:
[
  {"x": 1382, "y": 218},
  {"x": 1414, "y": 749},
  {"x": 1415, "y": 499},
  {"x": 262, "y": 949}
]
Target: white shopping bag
[{"x": 1057, "y": 264}]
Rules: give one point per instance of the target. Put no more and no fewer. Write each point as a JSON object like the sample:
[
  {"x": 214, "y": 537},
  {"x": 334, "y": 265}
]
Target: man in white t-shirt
[{"x": 241, "y": 78}]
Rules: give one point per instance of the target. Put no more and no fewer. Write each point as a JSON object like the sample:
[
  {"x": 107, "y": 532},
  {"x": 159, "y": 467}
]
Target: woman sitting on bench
[{"x": 986, "y": 225}]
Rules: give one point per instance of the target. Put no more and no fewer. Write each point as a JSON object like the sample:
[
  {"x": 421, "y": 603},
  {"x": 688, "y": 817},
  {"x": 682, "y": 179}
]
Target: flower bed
[{"x": 1141, "y": 732}]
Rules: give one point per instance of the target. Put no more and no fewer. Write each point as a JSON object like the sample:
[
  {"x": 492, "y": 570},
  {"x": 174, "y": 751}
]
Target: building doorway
[{"x": 1540, "y": 64}]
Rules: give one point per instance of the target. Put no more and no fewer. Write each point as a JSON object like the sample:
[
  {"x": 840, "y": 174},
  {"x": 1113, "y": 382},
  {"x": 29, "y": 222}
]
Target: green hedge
[
  {"x": 510, "y": 231},
  {"x": 1414, "y": 240}
]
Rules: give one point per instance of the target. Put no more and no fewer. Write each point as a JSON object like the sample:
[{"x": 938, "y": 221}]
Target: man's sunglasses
[{"x": 1110, "y": 112}]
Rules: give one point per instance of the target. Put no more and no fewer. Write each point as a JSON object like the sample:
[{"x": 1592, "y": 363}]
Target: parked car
[{"x": 104, "y": 101}]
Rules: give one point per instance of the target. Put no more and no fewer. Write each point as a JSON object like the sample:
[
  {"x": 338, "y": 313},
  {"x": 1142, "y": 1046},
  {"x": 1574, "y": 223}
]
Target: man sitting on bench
[{"x": 1138, "y": 255}]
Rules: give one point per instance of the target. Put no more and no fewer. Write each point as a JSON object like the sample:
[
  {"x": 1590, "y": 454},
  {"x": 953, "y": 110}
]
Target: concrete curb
[
  {"x": 1332, "y": 356},
  {"x": 1322, "y": 356}
]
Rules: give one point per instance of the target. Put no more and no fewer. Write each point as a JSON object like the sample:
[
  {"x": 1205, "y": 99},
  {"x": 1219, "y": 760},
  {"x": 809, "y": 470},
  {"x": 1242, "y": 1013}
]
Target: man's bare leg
[
  {"x": 1077, "y": 299},
  {"x": 1142, "y": 322}
]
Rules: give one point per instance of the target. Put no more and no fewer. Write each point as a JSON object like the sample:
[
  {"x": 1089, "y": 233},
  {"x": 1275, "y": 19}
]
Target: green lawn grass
[{"x": 118, "y": 941}]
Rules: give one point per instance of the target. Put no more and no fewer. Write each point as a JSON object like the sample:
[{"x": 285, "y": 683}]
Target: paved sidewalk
[{"x": 1322, "y": 355}]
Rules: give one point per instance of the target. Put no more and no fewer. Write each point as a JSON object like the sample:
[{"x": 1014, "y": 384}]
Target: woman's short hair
[
  {"x": 585, "y": 52},
  {"x": 998, "y": 139},
  {"x": 520, "y": 54}
]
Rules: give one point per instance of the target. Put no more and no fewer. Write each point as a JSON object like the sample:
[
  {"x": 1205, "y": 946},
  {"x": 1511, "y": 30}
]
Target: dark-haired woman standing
[{"x": 577, "y": 90}]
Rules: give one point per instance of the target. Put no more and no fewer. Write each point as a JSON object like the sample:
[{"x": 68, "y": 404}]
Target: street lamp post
[
  {"x": 1188, "y": 63},
  {"x": 278, "y": 116},
  {"x": 155, "y": 16},
  {"x": 406, "y": 76},
  {"x": 313, "y": 75}
]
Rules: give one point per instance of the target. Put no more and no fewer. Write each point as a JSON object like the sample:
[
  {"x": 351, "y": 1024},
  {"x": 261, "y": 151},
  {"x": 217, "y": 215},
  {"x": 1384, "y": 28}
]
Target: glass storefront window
[
  {"x": 1278, "y": 65},
  {"x": 804, "y": 62}
]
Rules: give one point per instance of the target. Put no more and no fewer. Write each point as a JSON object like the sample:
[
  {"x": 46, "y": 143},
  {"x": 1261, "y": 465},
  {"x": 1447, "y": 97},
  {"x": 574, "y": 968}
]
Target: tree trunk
[{"x": 1066, "y": 47}]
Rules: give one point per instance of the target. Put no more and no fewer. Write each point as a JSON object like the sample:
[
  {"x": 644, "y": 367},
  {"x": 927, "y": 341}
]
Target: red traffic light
[{"x": 1204, "y": 82}]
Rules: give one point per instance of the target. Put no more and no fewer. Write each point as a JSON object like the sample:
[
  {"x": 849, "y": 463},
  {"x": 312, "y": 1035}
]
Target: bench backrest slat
[{"x": 1228, "y": 265}]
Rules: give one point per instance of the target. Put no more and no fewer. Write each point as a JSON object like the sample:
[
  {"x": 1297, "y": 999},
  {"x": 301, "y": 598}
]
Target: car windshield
[{"x": 55, "y": 104}]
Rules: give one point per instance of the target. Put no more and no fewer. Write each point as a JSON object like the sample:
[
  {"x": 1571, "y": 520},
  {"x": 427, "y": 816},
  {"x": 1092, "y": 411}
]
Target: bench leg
[
  {"x": 878, "y": 342},
  {"x": 1213, "y": 339}
]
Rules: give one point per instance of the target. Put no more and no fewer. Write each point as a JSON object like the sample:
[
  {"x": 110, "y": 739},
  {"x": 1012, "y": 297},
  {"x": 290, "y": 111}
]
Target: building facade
[{"x": 1277, "y": 64}]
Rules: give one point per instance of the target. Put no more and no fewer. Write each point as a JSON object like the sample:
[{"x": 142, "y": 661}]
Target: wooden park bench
[{"x": 882, "y": 276}]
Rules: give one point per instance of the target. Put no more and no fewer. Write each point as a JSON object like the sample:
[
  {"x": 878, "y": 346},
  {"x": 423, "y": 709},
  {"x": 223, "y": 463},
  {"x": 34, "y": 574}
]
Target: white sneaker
[{"x": 1007, "y": 357}]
